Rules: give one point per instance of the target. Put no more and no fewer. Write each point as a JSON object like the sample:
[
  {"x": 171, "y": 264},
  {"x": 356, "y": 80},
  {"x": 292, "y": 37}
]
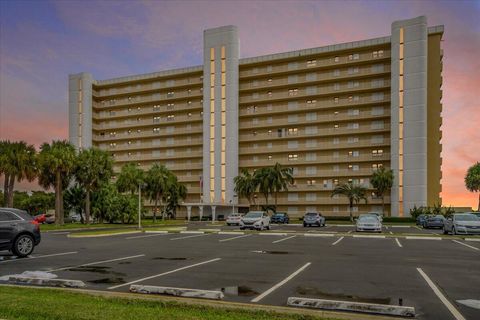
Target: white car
[
  {"x": 368, "y": 223},
  {"x": 258, "y": 220},
  {"x": 378, "y": 214},
  {"x": 234, "y": 219},
  {"x": 462, "y": 223}
]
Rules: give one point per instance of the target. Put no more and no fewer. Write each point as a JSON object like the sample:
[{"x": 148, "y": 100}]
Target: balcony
[
  {"x": 180, "y": 131},
  {"x": 247, "y": 71},
  {"x": 318, "y": 160},
  {"x": 148, "y": 123},
  {"x": 195, "y": 106}
]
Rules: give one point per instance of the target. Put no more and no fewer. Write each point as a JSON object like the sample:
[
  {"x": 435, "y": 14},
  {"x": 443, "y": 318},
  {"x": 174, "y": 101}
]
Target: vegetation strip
[{"x": 16, "y": 303}]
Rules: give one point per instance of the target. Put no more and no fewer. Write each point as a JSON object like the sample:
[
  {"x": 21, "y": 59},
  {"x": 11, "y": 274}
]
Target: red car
[{"x": 41, "y": 218}]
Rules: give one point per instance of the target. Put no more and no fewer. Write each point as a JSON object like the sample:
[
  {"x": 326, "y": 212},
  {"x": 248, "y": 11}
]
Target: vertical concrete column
[
  {"x": 220, "y": 65},
  {"x": 80, "y": 110},
  {"x": 200, "y": 208},
  {"x": 413, "y": 90},
  {"x": 214, "y": 209},
  {"x": 189, "y": 212}
]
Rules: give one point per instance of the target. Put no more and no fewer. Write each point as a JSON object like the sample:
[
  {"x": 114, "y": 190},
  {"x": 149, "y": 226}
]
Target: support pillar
[
  {"x": 189, "y": 212},
  {"x": 213, "y": 213},
  {"x": 201, "y": 212}
]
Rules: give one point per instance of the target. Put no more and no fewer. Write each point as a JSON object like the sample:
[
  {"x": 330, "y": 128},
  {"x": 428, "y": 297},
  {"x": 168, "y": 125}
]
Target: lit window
[
  {"x": 170, "y": 94},
  {"x": 269, "y": 80},
  {"x": 156, "y": 130},
  {"x": 311, "y": 63},
  {"x": 269, "y": 93},
  {"x": 189, "y": 114},
  {"x": 335, "y": 100},
  {"x": 170, "y": 117},
  {"x": 292, "y": 131},
  {"x": 292, "y": 157},
  {"x": 156, "y": 119},
  {"x": 170, "y": 106},
  {"x": 336, "y": 59},
  {"x": 311, "y": 101},
  {"x": 336, "y": 126},
  {"x": 269, "y": 132},
  {"x": 292, "y": 92},
  {"x": 269, "y": 157}
]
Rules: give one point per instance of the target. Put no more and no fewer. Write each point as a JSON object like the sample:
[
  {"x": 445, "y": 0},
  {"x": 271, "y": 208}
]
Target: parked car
[
  {"x": 421, "y": 219},
  {"x": 368, "y": 223},
  {"x": 377, "y": 214},
  {"x": 280, "y": 217},
  {"x": 19, "y": 232},
  {"x": 258, "y": 220},
  {"x": 234, "y": 219},
  {"x": 313, "y": 219},
  {"x": 433, "y": 221},
  {"x": 50, "y": 218},
  {"x": 462, "y": 223}
]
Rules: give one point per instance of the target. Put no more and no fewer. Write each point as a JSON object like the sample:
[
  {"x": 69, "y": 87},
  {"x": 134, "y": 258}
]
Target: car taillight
[{"x": 35, "y": 223}]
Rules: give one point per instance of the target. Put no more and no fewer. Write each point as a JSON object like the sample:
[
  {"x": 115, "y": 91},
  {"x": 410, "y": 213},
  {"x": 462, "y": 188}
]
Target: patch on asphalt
[
  {"x": 270, "y": 252},
  {"x": 165, "y": 258}
]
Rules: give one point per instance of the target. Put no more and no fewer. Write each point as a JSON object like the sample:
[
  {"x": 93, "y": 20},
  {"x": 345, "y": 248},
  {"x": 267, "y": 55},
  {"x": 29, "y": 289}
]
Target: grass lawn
[{"x": 33, "y": 304}]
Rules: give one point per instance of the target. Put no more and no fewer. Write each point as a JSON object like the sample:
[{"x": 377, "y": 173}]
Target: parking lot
[{"x": 266, "y": 268}]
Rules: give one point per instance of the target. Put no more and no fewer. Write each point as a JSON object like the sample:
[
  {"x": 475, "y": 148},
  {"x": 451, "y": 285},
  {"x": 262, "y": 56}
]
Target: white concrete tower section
[
  {"x": 220, "y": 114},
  {"x": 409, "y": 114},
  {"x": 80, "y": 110}
]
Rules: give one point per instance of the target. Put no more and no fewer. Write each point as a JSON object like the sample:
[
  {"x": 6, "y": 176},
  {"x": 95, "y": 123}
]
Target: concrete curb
[
  {"x": 62, "y": 283},
  {"x": 472, "y": 239},
  {"x": 319, "y": 234},
  {"x": 422, "y": 238},
  {"x": 231, "y": 232},
  {"x": 368, "y": 236},
  {"x": 79, "y": 235},
  {"x": 383, "y": 309},
  {"x": 177, "y": 292},
  {"x": 158, "y": 231},
  {"x": 191, "y": 232}
]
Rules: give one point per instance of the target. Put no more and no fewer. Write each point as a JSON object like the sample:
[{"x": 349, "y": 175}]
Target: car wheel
[
  {"x": 304, "y": 224},
  {"x": 268, "y": 227},
  {"x": 445, "y": 231},
  {"x": 241, "y": 228},
  {"x": 23, "y": 245},
  {"x": 454, "y": 232}
]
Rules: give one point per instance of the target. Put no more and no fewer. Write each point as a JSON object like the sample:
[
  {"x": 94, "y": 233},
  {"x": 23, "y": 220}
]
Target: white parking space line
[
  {"x": 398, "y": 243},
  {"x": 238, "y": 237},
  {"x": 164, "y": 273},
  {"x": 41, "y": 256},
  {"x": 147, "y": 236},
  {"x": 368, "y": 236},
  {"x": 192, "y": 232},
  {"x": 386, "y": 227},
  {"x": 231, "y": 232},
  {"x": 197, "y": 235},
  {"x": 273, "y": 234},
  {"x": 281, "y": 283},
  {"x": 318, "y": 234},
  {"x": 337, "y": 241},
  {"x": 277, "y": 241},
  {"x": 349, "y": 231},
  {"x": 450, "y": 307},
  {"x": 466, "y": 245},
  {"x": 97, "y": 262},
  {"x": 422, "y": 238},
  {"x": 472, "y": 239},
  {"x": 391, "y": 232}
]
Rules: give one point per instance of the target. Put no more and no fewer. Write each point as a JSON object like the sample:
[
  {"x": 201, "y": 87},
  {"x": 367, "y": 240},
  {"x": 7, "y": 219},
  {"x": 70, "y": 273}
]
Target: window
[
  {"x": 293, "y": 196},
  {"x": 170, "y": 106},
  {"x": 377, "y": 152},
  {"x": 377, "y": 111},
  {"x": 269, "y": 120},
  {"x": 377, "y": 83},
  {"x": 170, "y": 94},
  {"x": 156, "y": 119},
  {"x": 292, "y": 131},
  {"x": 336, "y": 59},
  {"x": 156, "y": 107},
  {"x": 311, "y": 156},
  {"x": 353, "y": 153},
  {"x": 255, "y": 158},
  {"x": 311, "y": 171},
  {"x": 353, "y": 112},
  {"x": 113, "y": 144},
  {"x": 170, "y": 117},
  {"x": 311, "y": 116},
  {"x": 354, "y": 125},
  {"x": 376, "y": 166},
  {"x": 377, "y": 96},
  {"x": 269, "y": 157},
  {"x": 255, "y": 121},
  {"x": 377, "y": 54},
  {"x": 353, "y": 167},
  {"x": 292, "y": 144},
  {"x": 311, "y": 90},
  {"x": 311, "y": 63},
  {"x": 336, "y": 73},
  {"x": 292, "y": 118},
  {"x": 292, "y": 105},
  {"x": 269, "y": 145},
  {"x": 336, "y": 126},
  {"x": 311, "y": 196},
  {"x": 311, "y": 76},
  {"x": 336, "y": 140},
  {"x": 335, "y": 100},
  {"x": 311, "y": 101},
  {"x": 377, "y": 68},
  {"x": 336, "y": 86},
  {"x": 292, "y": 157},
  {"x": 269, "y": 94},
  {"x": 269, "y": 80},
  {"x": 292, "y": 65},
  {"x": 156, "y": 130},
  {"x": 353, "y": 70},
  {"x": 377, "y": 139},
  {"x": 269, "y": 107},
  {"x": 377, "y": 125},
  {"x": 311, "y": 130},
  {"x": 292, "y": 79},
  {"x": 255, "y": 95},
  {"x": 269, "y": 132},
  {"x": 353, "y": 84},
  {"x": 335, "y": 154},
  {"x": 293, "y": 92},
  {"x": 336, "y": 167}
]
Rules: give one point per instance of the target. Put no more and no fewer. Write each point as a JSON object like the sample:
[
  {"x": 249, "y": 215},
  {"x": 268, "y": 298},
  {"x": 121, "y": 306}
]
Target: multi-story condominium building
[{"x": 334, "y": 114}]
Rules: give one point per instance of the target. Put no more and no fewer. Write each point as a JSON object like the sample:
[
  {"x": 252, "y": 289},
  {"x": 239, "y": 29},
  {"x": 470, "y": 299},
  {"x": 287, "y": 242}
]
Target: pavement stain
[
  {"x": 110, "y": 280},
  {"x": 271, "y": 252},
  {"x": 165, "y": 258},
  {"x": 311, "y": 291}
]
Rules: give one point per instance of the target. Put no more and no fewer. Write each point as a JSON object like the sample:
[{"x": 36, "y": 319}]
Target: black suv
[{"x": 19, "y": 232}]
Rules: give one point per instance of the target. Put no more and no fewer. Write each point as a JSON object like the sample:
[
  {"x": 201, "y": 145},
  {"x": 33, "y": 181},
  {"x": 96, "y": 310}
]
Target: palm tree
[
  {"x": 472, "y": 180},
  {"x": 56, "y": 163},
  {"x": 94, "y": 167},
  {"x": 157, "y": 185},
  {"x": 176, "y": 192},
  {"x": 282, "y": 177},
  {"x": 264, "y": 180},
  {"x": 382, "y": 181},
  {"x": 354, "y": 193},
  {"x": 17, "y": 161},
  {"x": 74, "y": 199},
  {"x": 245, "y": 186},
  {"x": 130, "y": 177}
]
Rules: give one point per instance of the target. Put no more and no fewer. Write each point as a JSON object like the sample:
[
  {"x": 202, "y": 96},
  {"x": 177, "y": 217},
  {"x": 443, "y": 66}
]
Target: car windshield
[
  {"x": 438, "y": 217},
  {"x": 369, "y": 219},
  {"x": 311, "y": 214},
  {"x": 234, "y": 215},
  {"x": 466, "y": 217},
  {"x": 255, "y": 214},
  {"x": 279, "y": 214}
]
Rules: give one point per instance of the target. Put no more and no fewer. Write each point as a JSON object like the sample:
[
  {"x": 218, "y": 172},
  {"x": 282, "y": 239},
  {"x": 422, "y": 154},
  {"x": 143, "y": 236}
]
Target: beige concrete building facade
[{"x": 334, "y": 114}]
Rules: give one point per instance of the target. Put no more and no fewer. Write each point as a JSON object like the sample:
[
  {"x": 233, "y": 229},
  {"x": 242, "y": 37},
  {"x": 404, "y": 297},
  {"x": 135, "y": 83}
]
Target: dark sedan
[
  {"x": 19, "y": 232},
  {"x": 421, "y": 219},
  {"x": 436, "y": 221},
  {"x": 280, "y": 217}
]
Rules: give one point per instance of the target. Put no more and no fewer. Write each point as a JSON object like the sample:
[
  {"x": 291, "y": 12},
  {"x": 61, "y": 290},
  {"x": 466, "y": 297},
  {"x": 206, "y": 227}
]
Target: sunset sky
[{"x": 41, "y": 42}]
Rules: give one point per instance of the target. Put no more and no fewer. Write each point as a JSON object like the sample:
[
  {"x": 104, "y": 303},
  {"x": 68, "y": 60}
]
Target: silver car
[
  {"x": 313, "y": 219},
  {"x": 462, "y": 223},
  {"x": 258, "y": 220},
  {"x": 368, "y": 223},
  {"x": 234, "y": 219}
]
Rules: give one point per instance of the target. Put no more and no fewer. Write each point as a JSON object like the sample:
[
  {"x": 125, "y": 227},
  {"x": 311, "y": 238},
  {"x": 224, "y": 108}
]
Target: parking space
[{"x": 269, "y": 268}]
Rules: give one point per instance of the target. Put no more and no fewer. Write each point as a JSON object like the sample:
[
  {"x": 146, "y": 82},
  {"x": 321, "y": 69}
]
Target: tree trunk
[
  {"x": 11, "y": 183},
  {"x": 383, "y": 205},
  {"x": 163, "y": 210},
  {"x": 5, "y": 189},
  {"x": 155, "y": 207},
  {"x": 87, "y": 207},
  {"x": 351, "y": 208},
  {"x": 479, "y": 202},
  {"x": 276, "y": 196},
  {"x": 58, "y": 191}
]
